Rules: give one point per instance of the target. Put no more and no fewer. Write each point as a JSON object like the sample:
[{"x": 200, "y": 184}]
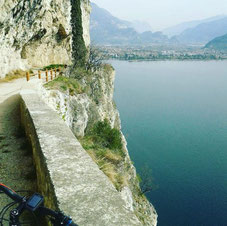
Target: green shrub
[
  {"x": 63, "y": 83},
  {"x": 53, "y": 66},
  {"x": 104, "y": 145},
  {"x": 63, "y": 87},
  {"x": 107, "y": 68},
  {"x": 79, "y": 73},
  {"x": 106, "y": 136}
]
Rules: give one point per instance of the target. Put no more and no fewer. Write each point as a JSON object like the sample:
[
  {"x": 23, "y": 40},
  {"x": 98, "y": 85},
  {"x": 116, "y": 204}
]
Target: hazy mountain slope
[
  {"x": 141, "y": 26},
  {"x": 108, "y": 30},
  {"x": 148, "y": 37},
  {"x": 219, "y": 43},
  {"x": 204, "y": 32},
  {"x": 179, "y": 28},
  {"x": 100, "y": 16}
]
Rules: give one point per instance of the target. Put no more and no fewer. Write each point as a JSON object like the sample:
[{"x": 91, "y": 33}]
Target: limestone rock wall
[
  {"x": 36, "y": 33},
  {"x": 81, "y": 111},
  {"x": 86, "y": 10}
]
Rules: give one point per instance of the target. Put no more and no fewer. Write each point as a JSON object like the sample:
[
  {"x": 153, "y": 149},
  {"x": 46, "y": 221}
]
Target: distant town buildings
[{"x": 161, "y": 53}]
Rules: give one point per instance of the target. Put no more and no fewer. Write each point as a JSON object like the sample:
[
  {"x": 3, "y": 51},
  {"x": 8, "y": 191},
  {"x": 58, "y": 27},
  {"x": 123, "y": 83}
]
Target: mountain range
[
  {"x": 141, "y": 26},
  {"x": 179, "y": 28},
  {"x": 204, "y": 32},
  {"x": 219, "y": 43},
  {"x": 107, "y": 29}
]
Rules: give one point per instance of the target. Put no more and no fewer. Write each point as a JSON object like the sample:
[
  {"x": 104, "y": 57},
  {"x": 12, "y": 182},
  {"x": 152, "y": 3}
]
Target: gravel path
[{"x": 16, "y": 165}]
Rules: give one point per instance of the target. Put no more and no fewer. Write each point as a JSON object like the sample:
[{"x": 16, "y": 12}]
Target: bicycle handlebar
[
  {"x": 43, "y": 210},
  {"x": 11, "y": 193}
]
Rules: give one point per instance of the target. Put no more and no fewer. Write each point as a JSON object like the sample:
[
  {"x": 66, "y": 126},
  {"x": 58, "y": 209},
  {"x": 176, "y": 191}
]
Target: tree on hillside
[
  {"x": 146, "y": 180},
  {"x": 95, "y": 59},
  {"x": 79, "y": 50}
]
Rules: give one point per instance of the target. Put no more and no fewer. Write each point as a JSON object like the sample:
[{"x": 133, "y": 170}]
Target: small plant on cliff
[
  {"x": 53, "y": 66},
  {"x": 14, "y": 75},
  {"x": 95, "y": 59},
  {"x": 146, "y": 180},
  {"x": 106, "y": 136},
  {"x": 104, "y": 145},
  {"x": 65, "y": 84}
]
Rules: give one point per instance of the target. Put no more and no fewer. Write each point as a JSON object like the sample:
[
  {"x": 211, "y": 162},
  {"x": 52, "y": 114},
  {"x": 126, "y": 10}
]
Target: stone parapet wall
[{"x": 67, "y": 176}]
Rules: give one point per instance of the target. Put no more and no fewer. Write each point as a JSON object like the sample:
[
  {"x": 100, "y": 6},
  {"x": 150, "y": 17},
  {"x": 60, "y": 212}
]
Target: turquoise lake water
[{"x": 174, "y": 117}]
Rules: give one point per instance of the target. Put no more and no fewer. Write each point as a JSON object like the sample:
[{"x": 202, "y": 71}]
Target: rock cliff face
[
  {"x": 80, "y": 111},
  {"x": 85, "y": 13},
  {"x": 35, "y": 33}
]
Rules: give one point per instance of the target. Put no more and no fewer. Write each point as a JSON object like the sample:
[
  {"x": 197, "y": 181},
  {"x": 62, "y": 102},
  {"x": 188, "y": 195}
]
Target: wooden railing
[{"x": 49, "y": 74}]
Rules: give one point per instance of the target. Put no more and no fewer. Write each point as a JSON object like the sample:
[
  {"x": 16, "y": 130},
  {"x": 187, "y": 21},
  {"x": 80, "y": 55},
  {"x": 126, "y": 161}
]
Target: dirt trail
[{"x": 16, "y": 165}]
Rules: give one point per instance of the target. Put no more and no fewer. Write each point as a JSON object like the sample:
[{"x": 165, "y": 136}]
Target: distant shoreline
[
  {"x": 161, "y": 54},
  {"x": 156, "y": 60}
]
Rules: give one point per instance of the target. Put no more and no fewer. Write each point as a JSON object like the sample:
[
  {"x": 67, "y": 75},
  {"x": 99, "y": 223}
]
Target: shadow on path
[{"x": 16, "y": 164}]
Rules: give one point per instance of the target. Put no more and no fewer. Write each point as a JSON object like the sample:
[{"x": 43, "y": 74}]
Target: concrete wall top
[{"x": 79, "y": 187}]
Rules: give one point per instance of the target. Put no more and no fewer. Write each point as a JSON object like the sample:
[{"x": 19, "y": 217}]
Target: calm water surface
[{"x": 174, "y": 116}]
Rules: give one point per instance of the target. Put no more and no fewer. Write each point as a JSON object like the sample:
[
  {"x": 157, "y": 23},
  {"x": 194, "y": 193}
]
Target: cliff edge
[{"x": 82, "y": 102}]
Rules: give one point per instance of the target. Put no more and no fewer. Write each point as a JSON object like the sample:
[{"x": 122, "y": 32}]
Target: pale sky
[{"x": 164, "y": 13}]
